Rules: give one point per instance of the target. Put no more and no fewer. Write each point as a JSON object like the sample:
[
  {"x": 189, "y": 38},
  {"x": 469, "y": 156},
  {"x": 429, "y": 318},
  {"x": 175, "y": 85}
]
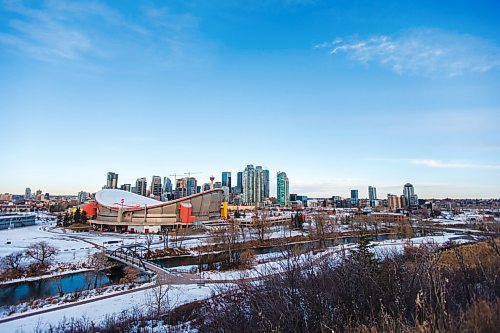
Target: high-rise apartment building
[
  {"x": 283, "y": 191},
  {"x": 141, "y": 186},
  {"x": 112, "y": 180},
  {"x": 239, "y": 182},
  {"x": 355, "y": 198},
  {"x": 248, "y": 185},
  {"x": 411, "y": 199},
  {"x": 265, "y": 181},
  {"x": 166, "y": 191},
  {"x": 393, "y": 202},
  {"x": 259, "y": 185},
  {"x": 82, "y": 197},
  {"x": 27, "y": 193},
  {"x": 156, "y": 186},
  {"x": 185, "y": 187},
  {"x": 253, "y": 185},
  {"x": 125, "y": 187},
  {"x": 372, "y": 196},
  {"x": 226, "y": 179}
]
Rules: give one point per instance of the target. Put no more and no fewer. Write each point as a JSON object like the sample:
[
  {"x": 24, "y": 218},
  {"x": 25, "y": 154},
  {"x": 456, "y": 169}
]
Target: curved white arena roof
[{"x": 117, "y": 198}]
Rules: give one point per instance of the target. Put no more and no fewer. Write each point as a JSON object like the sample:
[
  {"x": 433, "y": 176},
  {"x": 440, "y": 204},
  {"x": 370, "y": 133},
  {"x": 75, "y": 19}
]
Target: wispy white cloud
[
  {"x": 49, "y": 31},
  {"x": 453, "y": 165},
  {"x": 59, "y": 30},
  {"x": 425, "y": 52}
]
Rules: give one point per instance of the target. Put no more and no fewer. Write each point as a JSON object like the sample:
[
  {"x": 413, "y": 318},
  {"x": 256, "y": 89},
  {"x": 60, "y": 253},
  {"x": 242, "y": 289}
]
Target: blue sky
[{"x": 339, "y": 95}]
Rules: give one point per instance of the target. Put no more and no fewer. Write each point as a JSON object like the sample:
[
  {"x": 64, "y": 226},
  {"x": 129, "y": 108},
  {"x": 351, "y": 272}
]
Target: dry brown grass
[{"x": 472, "y": 254}]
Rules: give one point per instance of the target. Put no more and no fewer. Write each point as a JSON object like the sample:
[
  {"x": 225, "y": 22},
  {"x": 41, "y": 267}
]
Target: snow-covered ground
[
  {"x": 98, "y": 310},
  {"x": 70, "y": 250}
]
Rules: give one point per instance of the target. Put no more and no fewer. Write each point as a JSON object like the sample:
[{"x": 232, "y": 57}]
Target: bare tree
[
  {"x": 42, "y": 252},
  {"x": 228, "y": 237},
  {"x": 261, "y": 224},
  {"x": 158, "y": 299},
  {"x": 12, "y": 261},
  {"x": 98, "y": 261},
  {"x": 149, "y": 241}
]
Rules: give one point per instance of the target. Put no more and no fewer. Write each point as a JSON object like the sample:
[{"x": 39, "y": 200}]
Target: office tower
[
  {"x": 226, "y": 179},
  {"x": 125, "y": 187},
  {"x": 206, "y": 187},
  {"x": 191, "y": 186},
  {"x": 156, "y": 186},
  {"x": 248, "y": 184},
  {"x": 283, "y": 191},
  {"x": 166, "y": 191},
  {"x": 354, "y": 198},
  {"x": 141, "y": 186},
  {"x": 265, "y": 181},
  {"x": 226, "y": 193},
  {"x": 239, "y": 182},
  {"x": 393, "y": 202},
  {"x": 372, "y": 196},
  {"x": 112, "y": 180},
  {"x": 414, "y": 201},
  {"x": 180, "y": 188},
  {"x": 253, "y": 185},
  {"x": 259, "y": 185},
  {"x": 185, "y": 187},
  {"x": 27, "y": 193},
  {"x": 82, "y": 197},
  {"x": 411, "y": 199},
  {"x": 218, "y": 185}
]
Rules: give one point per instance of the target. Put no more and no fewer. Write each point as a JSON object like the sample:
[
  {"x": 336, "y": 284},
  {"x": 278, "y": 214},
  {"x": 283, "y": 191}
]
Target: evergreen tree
[
  {"x": 59, "y": 220},
  {"x": 77, "y": 216},
  {"x": 362, "y": 254},
  {"x": 84, "y": 217},
  {"x": 297, "y": 221},
  {"x": 66, "y": 219}
]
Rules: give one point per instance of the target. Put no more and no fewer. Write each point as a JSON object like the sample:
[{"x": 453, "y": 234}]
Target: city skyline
[{"x": 341, "y": 96}]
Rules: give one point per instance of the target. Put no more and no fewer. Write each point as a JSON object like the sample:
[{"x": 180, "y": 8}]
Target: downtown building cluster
[
  {"x": 252, "y": 187},
  {"x": 407, "y": 200}
]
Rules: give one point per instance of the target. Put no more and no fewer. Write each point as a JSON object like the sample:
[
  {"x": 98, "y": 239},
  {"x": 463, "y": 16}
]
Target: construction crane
[
  {"x": 189, "y": 173},
  {"x": 175, "y": 177}
]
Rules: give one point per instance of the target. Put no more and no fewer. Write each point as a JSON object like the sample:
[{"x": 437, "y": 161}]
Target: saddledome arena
[{"x": 121, "y": 211}]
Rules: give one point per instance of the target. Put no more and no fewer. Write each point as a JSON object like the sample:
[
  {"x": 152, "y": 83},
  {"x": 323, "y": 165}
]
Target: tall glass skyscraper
[
  {"x": 411, "y": 199},
  {"x": 141, "y": 185},
  {"x": 226, "y": 179},
  {"x": 372, "y": 195},
  {"x": 248, "y": 185},
  {"x": 156, "y": 186},
  {"x": 354, "y": 198},
  {"x": 283, "y": 191},
  {"x": 239, "y": 182},
  {"x": 112, "y": 180},
  {"x": 265, "y": 180},
  {"x": 253, "y": 185}
]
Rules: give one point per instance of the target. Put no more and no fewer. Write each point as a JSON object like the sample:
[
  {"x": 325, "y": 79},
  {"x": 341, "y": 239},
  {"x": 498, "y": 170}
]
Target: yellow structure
[{"x": 224, "y": 210}]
